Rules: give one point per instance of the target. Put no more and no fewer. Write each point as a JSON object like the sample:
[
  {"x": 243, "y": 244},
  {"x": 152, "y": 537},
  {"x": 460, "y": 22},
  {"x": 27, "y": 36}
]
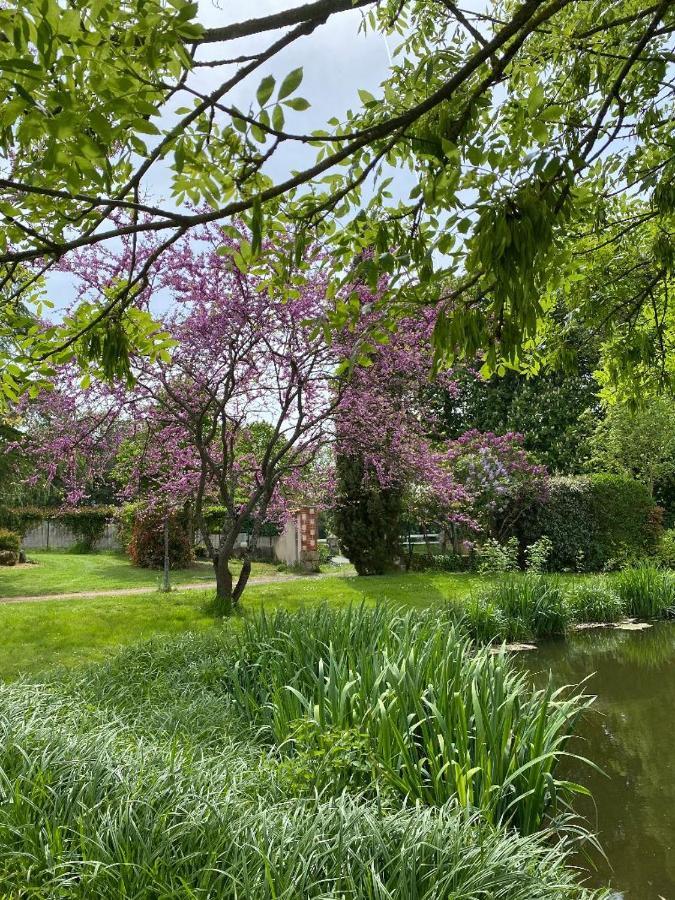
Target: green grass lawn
[
  {"x": 56, "y": 572},
  {"x": 38, "y": 635}
]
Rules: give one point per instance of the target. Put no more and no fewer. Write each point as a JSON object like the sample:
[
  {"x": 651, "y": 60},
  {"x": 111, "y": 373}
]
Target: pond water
[{"x": 631, "y": 736}]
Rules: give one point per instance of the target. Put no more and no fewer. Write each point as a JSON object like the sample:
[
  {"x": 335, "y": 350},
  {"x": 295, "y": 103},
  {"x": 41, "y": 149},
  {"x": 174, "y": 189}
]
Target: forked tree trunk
[{"x": 224, "y": 598}]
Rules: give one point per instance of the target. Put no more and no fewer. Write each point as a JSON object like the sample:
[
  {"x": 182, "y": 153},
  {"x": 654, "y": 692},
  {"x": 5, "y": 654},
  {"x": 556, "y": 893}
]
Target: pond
[{"x": 631, "y": 735}]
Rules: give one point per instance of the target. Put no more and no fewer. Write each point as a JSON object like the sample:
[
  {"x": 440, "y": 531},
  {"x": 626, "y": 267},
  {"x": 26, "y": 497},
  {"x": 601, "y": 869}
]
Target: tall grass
[
  {"x": 444, "y": 719},
  {"x": 147, "y": 777},
  {"x": 646, "y": 591},
  {"x": 595, "y": 601},
  {"x": 526, "y": 606}
]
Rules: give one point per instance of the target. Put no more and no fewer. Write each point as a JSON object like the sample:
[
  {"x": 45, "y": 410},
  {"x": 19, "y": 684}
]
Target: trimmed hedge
[{"x": 595, "y": 522}]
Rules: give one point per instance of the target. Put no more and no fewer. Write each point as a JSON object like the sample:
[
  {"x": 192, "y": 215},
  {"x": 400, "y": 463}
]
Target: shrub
[
  {"x": 665, "y": 552},
  {"x": 494, "y": 557},
  {"x": 646, "y": 591},
  {"x": 601, "y": 520},
  {"x": 9, "y": 540},
  {"x": 440, "y": 562},
  {"x": 537, "y": 555},
  {"x": 146, "y": 547},
  {"x": 595, "y": 602}
]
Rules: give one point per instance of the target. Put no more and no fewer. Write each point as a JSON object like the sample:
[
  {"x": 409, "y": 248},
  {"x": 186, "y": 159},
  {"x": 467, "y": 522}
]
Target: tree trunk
[
  {"x": 166, "y": 584},
  {"x": 224, "y": 600},
  {"x": 242, "y": 580}
]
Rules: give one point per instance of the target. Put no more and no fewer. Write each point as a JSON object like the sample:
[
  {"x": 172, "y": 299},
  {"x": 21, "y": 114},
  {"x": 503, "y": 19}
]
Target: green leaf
[
  {"x": 539, "y": 131},
  {"x": 265, "y": 89},
  {"x": 278, "y": 118},
  {"x": 535, "y": 100},
  {"x": 366, "y": 96},
  {"x": 297, "y": 103},
  {"x": 290, "y": 83}
]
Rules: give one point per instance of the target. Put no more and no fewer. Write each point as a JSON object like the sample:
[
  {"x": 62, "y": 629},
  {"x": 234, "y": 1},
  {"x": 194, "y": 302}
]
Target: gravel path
[{"x": 197, "y": 586}]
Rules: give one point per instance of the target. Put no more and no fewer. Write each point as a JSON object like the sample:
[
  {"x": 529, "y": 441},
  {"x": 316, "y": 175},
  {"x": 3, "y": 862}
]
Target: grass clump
[
  {"x": 525, "y": 606},
  {"x": 646, "y": 591},
  {"x": 352, "y": 754},
  {"x": 444, "y": 720},
  {"x": 595, "y": 601}
]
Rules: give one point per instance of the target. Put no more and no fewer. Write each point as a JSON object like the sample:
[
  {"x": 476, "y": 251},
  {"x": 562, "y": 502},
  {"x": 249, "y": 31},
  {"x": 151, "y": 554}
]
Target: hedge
[
  {"x": 9, "y": 540},
  {"x": 86, "y": 522},
  {"x": 214, "y": 518},
  {"x": 595, "y": 522}
]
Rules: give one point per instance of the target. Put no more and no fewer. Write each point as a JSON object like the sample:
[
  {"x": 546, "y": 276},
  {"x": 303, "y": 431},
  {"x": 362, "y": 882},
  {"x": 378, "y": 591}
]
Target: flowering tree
[
  {"x": 384, "y": 433},
  {"x": 499, "y": 475},
  {"x": 240, "y": 357},
  {"x": 71, "y": 433}
]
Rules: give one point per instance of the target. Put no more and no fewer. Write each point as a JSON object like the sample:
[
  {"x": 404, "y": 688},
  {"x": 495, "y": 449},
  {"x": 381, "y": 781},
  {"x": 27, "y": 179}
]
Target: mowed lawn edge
[
  {"x": 43, "y": 634},
  {"x": 60, "y": 572}
]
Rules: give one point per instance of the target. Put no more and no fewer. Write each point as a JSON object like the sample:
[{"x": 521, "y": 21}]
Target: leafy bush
[
  {"x": 538, "y": 554},
  {"x": 595, "y": 602},
  {"x": 494, "y": 557},
  {"x": 600, "y": 520},
  {"x": 646, "y": 591},
  {"x": 440, "y": 562},
  {"x": 146, "y": 547},
  {"x": 9, "y": 540},
  {"x": 665, "y": 552}
]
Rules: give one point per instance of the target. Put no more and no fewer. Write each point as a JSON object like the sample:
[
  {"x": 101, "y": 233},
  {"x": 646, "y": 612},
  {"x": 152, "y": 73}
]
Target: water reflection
[{"x": 630, "y": 736}]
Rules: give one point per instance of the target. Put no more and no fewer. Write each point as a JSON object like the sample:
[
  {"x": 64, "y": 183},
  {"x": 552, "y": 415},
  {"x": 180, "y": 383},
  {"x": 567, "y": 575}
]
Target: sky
[{"x": 337, "y": 61}]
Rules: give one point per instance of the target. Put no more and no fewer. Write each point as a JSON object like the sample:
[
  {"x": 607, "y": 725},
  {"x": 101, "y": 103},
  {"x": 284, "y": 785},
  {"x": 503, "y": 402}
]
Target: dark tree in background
[
  {"x": 366, "y": 518},
  {"x": 556, "y": 410}
]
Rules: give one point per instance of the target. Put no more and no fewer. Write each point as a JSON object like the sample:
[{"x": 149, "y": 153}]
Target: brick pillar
[{"x": 307, "y": 520}]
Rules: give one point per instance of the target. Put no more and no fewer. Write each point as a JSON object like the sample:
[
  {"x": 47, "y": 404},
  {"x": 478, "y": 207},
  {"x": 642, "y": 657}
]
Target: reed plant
[
  {"x": 446, "y": 719},
  {"x": 595, "y": 601},
  {"x": 529, "y": 606},
  {"x": 647, "y": 592}
]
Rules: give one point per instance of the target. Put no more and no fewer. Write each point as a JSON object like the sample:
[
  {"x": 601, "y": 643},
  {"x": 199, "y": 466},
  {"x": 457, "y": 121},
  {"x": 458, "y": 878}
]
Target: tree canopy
[{"x": 537, "y": 135}]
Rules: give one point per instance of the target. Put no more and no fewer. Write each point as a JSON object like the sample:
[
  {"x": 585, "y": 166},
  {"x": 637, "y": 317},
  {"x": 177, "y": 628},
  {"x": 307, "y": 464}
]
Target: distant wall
[
  {"x": 286, "y": 546},
  {"x": 51, "y": 535}
]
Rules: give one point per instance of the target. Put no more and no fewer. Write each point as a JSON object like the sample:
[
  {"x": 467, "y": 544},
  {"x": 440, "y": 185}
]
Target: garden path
[{"x": 197, "y": 586}]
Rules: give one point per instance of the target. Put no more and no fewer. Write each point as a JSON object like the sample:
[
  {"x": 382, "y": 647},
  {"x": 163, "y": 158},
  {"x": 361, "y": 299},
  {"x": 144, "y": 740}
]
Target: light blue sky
[{"x": 337, "y": 60}]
